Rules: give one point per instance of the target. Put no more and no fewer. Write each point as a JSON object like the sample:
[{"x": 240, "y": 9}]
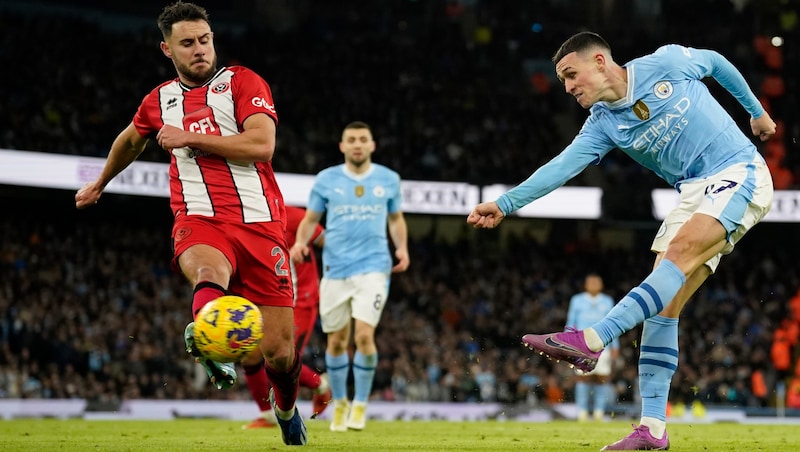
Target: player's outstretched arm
[
  {"x": 486, "y": 215},
  {"x": 124, "y": 150}
]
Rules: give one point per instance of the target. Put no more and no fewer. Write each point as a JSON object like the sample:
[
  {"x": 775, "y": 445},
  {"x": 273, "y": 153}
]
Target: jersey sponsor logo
[
  {"x": 357, "y": 212},
  {"x": 260, "y": 102},
  {"x": 220, "y": 88},
  {"x": 641, "y": 110},
  {"x": 193, "y": 153},
  {"x": 663, "y": 89},
  {"x": 204, "y": 126},
  {"x": 379, "y": 191},
  {"x": 201, "y": 121},
  {"x": 359, "y": 190},
  {"x": 662, "y": 130},
  {"x": 172, "y": 103}
]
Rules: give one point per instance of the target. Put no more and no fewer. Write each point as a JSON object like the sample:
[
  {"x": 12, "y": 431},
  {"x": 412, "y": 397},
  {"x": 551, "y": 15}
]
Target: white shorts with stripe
[
  {"x": 738, "y": 196},
  {"x": 361, "y": 297},
  {"x": 603, "y": 367}
]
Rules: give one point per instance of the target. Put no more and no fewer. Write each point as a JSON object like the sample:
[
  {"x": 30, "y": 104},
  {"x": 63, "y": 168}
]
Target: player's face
[
  {"x": 357, "y": 146},
  {"x": 594, "y": 284},
  {"x": 582, "y": 76},
  {"x": 191, "y": 48}
]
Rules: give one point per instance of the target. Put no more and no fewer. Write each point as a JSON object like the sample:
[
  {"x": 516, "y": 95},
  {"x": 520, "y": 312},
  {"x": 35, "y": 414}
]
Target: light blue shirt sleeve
[
  {"x": 701, "y": 63},
  {"x": 588, "y": 147}
]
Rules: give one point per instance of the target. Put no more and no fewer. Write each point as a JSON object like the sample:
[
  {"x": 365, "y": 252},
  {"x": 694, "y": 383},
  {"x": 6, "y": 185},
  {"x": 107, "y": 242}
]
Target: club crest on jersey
[
  {"x": 182, "y": 233},
  {"x": 641, "y": 110},
  {"x": 663, "y": 89},
  {"x": 359, "y": 190},
  {"x": 220, "y": 87},
  {"x": 378, "y": 191}
]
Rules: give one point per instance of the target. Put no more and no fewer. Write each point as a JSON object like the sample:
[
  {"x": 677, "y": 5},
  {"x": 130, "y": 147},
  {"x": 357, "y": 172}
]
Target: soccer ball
[{"x": 228, "y": 328}]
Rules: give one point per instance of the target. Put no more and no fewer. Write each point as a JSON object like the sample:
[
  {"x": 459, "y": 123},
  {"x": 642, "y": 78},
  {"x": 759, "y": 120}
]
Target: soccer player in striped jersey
[
  {"x": 657, "y": 110},
  {"x": 218, "y": 125},
  {"x": 360, "y": 198}
]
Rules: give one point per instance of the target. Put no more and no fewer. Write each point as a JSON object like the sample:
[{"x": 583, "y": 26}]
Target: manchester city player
[
  {"x": 361, "y": 198},
  {"x": 657, "y": 110}
]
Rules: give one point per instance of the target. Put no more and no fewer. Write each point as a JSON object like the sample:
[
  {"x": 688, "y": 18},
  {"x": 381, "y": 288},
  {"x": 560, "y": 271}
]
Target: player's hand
[
  {"x": 298, "y": 252},
  {"x": 403, "y": 261},
  {"x": 88, "y": 195},
  {"x": 763, "y": 127},
  {"x": 486, "y": 215},
  {"x": 171, "y": 137}
]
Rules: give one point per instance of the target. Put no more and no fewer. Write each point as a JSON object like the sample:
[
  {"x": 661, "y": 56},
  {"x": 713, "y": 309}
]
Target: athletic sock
[
  {"x": 285, "y": 386},
  {"x": 309, "y": 378},
  {"x": 338, "y": 368},
  {"x": 600, "y": 397},
  {"x": 258, "y": 383},
  {"x": 205, "y": 292},
  {"x": 642, "y": 302},
  {"x": 582, "y": 396},
  {"x": 658, "y": 361},
  {"x": 363, "y": 375}
]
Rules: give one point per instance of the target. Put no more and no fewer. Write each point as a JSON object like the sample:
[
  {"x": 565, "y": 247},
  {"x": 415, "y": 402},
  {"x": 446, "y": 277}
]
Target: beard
[
  {"x": 197, "y": 77},
  {"x": 359, "y": 162}
]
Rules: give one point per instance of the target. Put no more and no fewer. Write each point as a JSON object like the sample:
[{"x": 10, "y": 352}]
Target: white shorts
[
  {"x": 603, "y": 367},
  {"x": 361, "y": 297},
  {"x": 738, "y": 196}
]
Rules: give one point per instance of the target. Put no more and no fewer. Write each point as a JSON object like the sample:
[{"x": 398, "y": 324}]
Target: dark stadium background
[{"x": 456, "y": 91}]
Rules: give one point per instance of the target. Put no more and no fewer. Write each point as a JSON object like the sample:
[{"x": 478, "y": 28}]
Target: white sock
[
  {"x": 593, "y": 340},
  {"x": 657, "y": 427},
  {"x": 285, "y": 415}
]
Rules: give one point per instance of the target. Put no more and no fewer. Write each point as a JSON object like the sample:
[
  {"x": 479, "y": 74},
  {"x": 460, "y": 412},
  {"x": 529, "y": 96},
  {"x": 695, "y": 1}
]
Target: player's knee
[
  {"x": 252, "y": 359},
  {"x": 365, "y": 341},
  {"x": 280, "y": 358},
  {"x": 336, "y": 346}
]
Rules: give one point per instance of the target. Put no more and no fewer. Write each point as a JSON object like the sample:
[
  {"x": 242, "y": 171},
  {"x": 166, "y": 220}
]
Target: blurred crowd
[
  {"x": 455, "y": 90},
  {"x": 91, "y": 309},
  {"x": 459, "y": 90}
]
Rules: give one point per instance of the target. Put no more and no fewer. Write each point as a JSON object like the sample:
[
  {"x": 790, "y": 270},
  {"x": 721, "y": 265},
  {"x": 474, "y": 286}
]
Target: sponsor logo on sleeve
[{"x": 260, "y": 102}]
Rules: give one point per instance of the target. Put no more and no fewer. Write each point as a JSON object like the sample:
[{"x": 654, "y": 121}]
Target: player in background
[
  {"x": 305, "y": 277},
  {"x": 360, "y": 198},
  {"x": 657, "y": 110},
  {"x": 218, "y": 125},
  {"x": 586, "y": 309}
]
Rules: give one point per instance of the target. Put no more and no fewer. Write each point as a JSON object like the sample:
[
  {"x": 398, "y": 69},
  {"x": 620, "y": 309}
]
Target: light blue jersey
[
  {"x": 585, "y": 310},
  {"x": 357, "y": 207},
  {"x": 668, "y": 122}
]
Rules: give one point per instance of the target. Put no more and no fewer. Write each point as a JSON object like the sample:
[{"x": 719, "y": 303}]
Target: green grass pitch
[{"x": 484, "y": 436}]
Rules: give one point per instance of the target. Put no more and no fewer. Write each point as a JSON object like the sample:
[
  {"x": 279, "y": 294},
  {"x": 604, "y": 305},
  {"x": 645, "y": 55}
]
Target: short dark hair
[
  {"x": 358, "y": 125},
  {"x": 178, "y": 12},
  {"x": 579, "y": 42}
]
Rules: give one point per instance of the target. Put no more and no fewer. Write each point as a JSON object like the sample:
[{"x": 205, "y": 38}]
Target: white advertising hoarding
[{"x": 785, "y": 205}]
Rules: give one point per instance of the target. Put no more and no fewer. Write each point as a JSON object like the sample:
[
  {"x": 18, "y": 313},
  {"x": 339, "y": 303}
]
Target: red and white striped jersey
[{"x": 206, "y": 184}]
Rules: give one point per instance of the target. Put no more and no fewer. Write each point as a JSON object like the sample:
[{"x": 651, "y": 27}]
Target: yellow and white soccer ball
[{"x": 228, "y": 328}]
